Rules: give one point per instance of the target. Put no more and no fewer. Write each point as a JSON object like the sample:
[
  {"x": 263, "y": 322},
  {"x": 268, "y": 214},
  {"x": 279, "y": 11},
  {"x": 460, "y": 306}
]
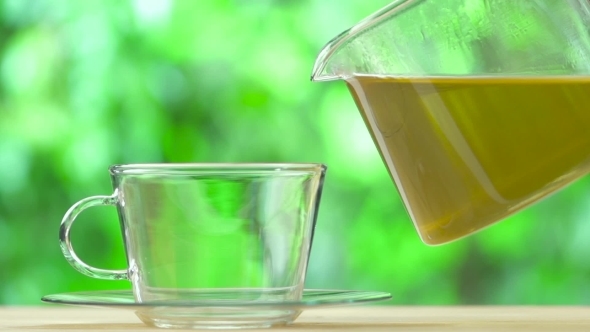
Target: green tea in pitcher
[{"x": 471, "y": 151}]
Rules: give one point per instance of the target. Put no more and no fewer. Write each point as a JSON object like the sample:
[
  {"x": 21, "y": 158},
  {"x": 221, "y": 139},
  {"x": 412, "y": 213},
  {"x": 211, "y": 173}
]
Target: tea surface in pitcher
[{"x": 471, "y": 151}]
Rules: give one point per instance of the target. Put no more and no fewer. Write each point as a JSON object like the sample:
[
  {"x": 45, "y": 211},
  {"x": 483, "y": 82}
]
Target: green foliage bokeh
[{"x": 86, "y": 84}]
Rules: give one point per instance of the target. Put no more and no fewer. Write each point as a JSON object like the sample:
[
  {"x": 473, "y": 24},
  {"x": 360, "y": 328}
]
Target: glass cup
[{"x": 238, "y": 233}]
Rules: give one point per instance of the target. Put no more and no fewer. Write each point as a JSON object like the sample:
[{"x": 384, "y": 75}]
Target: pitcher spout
[{"x": 347, "y": 55}]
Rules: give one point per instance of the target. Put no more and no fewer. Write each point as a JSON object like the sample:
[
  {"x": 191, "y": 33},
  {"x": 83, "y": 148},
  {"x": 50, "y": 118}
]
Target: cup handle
[{"x": 66, "y": 244}]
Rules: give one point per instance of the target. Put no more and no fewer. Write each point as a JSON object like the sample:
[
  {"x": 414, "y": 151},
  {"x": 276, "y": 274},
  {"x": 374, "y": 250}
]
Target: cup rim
[{"x": 212, "y": 168}]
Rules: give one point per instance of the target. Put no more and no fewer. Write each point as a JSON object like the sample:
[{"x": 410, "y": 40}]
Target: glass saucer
[{"x": 213, "y": 314}]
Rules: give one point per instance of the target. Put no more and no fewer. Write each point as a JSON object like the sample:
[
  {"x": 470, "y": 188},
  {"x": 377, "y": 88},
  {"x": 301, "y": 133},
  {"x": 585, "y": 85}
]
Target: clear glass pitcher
[{"x": 479, "y": 108}]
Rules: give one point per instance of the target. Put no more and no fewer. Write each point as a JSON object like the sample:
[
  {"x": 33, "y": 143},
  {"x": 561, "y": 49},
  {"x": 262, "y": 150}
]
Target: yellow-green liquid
[{"x": 467, "y": 152}]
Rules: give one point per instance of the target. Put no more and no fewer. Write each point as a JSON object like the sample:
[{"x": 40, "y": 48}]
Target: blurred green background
[{"x": 86, "y": 84}]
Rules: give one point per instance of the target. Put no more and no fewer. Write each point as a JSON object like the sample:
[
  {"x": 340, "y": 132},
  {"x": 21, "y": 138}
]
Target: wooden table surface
[{"x": 363, "y": 318}]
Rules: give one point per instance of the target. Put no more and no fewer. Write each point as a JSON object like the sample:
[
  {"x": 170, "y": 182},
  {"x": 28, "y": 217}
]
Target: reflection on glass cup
[{"x": 210, "y": 232}]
